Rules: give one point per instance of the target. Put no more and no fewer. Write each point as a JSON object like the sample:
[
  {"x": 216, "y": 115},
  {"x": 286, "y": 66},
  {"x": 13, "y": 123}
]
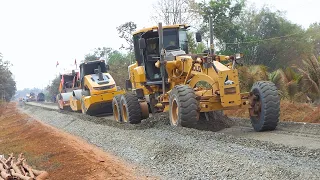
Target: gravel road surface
[{"x": 290, "y": 152}]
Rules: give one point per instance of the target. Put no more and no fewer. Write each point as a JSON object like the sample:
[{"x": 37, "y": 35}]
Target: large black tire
[
  {"x": 267, "y": 104},
  {"x": 183, "y": 106},
  {"x": 130, "y": 108},
  {"x": 116, "y": 108}
]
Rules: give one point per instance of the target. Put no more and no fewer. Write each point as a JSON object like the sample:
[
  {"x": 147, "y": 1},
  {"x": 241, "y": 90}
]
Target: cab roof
[
  {"x": 93, "y": 62},
  {"x": 164, "y": 27}
]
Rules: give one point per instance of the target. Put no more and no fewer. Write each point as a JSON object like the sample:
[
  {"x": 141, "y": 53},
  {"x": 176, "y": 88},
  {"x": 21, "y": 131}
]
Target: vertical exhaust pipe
[
  {"x": 211, "y": 42},
  {"x": 99, "y": 73},
  {"x": 211, "y": 35},
  {"x": 160, "y": 33}
]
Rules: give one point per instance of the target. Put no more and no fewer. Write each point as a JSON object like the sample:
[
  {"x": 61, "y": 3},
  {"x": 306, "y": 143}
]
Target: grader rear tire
[
  {"x": 183, "y": 106},
  {"x": 116, "y": 107},
  {"x": 265, "y": 110},
  {"x": 130, "y": 108}
]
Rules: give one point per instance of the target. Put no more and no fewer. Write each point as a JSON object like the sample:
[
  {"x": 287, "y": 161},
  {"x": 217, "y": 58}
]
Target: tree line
[
  {"x": 275, "y": 48},
  {"x": 7, "y": 82}
]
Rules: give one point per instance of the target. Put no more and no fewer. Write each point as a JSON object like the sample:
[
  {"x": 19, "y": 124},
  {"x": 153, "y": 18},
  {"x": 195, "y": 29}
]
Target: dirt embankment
[{"x": 62, "y": 155}]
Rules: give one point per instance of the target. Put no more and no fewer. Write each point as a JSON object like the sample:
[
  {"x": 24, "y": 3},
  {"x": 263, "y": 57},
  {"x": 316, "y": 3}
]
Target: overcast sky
[{"x": 34, "y": 35}]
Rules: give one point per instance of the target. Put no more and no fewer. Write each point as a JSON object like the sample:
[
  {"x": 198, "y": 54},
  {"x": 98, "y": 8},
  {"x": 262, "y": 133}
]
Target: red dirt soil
[
  {"x": 297, "y": 112},
  {"x": 62, "y": 155}
]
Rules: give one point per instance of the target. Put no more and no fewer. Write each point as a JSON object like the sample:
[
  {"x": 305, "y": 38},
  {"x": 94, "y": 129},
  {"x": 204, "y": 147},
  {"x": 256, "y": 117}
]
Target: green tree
[
  {"x": 7, "y": 82},
  {"x": 313, "y": 35},
  {"x": 193, "y": 46},
  {"x": 97, "y": 53},
  {"x": 125, "y": 32},
  {"x": 119, "y": 63},
  {"x": 53, "y": 88},
  {"x": 224, "y": 15}
]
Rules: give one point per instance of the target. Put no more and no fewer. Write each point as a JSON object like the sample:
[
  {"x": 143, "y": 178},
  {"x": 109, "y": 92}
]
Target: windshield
[
  {"x": 183, "y": 40},
  {"x": 170, "y": 39},
  {"x": 175, "y": 39}
]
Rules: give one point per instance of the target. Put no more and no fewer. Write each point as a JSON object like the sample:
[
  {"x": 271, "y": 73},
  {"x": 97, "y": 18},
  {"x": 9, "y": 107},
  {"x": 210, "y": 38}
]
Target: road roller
[
  {"x": 97, "y": 89},
  {"x": 69, "y": 81}
]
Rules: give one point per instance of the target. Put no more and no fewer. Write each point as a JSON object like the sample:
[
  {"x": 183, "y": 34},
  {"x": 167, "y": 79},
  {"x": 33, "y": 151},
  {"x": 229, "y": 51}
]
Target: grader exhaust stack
[
  {"x": 160, "y": 32},
  {"x": 211, "y": 36}
]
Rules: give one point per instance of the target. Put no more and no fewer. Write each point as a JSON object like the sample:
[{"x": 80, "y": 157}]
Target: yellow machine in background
[
  {"x": 165, "y": 78},
  {"x": 97, "y": 89}
]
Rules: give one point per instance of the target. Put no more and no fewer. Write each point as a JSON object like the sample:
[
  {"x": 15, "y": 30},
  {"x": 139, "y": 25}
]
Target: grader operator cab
[
  {"x": 165, "y": 78},
  {"x": 69, "y": 81},
  {"x": 97, "y": 89}
]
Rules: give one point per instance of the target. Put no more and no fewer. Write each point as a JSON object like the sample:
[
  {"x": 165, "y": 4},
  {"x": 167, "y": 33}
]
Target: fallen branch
[
  {"x": 8, "y": 161},
  {"x": 3, "y": 172},
  {"x": 20, "y": 175},
  {"x": 17, "y": 168},
  {"x": 27, "y": 167}
]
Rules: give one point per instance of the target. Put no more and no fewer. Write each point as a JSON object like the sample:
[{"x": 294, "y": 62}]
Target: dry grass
[{"x": 297, "y": 112}]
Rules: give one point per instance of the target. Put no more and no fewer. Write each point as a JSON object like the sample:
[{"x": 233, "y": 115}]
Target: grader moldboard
[
  {"x": 166, "y": 78},
  {"x": 97, "y": 89}
]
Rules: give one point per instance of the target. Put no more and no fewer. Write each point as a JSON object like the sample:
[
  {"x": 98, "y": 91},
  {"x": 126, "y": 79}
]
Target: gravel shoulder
[{"x": 290, "y": 152}]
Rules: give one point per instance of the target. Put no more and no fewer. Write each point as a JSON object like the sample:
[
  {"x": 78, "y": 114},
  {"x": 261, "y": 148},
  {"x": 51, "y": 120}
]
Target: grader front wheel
[
  {"x": 183, "y": 105},
  {"x": 265, "y": 106}
]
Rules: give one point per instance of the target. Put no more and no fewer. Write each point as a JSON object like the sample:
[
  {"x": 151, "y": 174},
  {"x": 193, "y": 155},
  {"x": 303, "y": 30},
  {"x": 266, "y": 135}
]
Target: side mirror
[
  {"x": 107, "y": 67},
  {"x": 198, "y": 37},
  {"x": 142, "y": 43}
]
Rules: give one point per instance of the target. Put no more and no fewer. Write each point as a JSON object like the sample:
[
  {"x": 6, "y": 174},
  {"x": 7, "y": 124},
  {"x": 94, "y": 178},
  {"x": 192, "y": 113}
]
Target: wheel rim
[
  {"x": 256, "y": 106},
  {"x": 115, "y": 112},
  {"x": 174, "y": 112},
  {"x": 124, "y": 113}
]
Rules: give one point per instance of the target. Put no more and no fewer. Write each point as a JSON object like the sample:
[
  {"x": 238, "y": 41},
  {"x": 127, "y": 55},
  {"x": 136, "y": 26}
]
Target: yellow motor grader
[
  {"x": 165, "y": 78},
  {"x": 97, "y": 89}
]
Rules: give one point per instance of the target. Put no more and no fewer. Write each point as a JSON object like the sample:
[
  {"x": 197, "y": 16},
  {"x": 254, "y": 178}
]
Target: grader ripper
[{"x": 166, "y": 78}]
